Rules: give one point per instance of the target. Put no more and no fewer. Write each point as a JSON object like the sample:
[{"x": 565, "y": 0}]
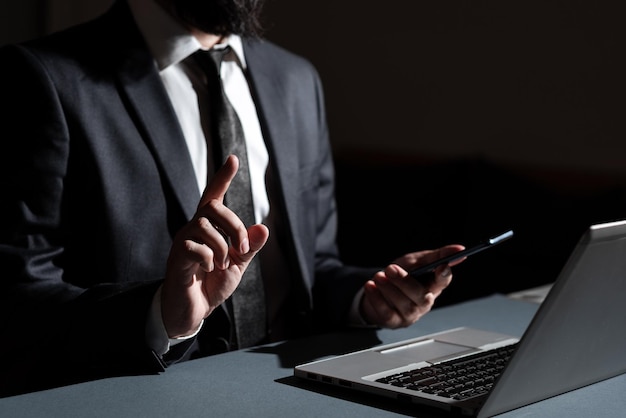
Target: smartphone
[{"x": 491, "y": 242}]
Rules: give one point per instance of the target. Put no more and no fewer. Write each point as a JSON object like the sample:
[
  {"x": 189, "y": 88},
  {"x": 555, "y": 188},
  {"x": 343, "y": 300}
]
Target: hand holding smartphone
[{"x": 491, "y": 242}]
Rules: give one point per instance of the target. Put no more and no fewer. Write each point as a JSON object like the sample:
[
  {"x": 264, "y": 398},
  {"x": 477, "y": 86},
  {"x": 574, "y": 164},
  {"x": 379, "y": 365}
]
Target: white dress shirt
[{"x": 171, "y": 44}]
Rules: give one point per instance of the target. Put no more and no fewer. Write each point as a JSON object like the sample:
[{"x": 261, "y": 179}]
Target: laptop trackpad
[{"x": 426, "y": 350}]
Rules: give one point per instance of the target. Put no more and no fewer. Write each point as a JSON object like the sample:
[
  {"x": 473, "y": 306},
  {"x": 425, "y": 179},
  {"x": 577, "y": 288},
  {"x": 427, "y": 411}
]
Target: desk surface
[{"x": 259, "y": 382}]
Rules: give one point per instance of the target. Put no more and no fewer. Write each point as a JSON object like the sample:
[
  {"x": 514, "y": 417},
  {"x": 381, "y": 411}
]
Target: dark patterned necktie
[{"x": 247, "y": 304}]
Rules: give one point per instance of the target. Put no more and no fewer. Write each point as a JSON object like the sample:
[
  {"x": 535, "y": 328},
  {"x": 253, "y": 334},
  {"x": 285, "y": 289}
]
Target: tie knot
[
  {"x": 210, "y": 61},
  {"x": 218, "y": 54}
]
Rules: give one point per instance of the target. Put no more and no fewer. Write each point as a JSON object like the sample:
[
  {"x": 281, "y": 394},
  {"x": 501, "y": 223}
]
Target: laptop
[{"x": 575, "y": 339}]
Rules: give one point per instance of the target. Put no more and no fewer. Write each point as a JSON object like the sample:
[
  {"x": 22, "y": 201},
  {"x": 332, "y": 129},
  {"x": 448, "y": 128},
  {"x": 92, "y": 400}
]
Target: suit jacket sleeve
[{"x": 48, "y": 318}]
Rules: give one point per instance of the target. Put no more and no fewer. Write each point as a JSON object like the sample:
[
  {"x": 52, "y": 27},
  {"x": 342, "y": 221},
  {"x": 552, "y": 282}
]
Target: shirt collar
[{"x": 169, "y": 41}]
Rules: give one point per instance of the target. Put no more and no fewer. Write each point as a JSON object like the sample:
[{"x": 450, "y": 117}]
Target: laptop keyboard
[{"x": 459, "y": 379}]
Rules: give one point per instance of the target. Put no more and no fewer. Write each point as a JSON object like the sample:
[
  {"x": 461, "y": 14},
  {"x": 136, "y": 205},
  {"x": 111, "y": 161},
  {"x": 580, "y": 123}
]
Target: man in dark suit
[{"x": 112, "y": 259}]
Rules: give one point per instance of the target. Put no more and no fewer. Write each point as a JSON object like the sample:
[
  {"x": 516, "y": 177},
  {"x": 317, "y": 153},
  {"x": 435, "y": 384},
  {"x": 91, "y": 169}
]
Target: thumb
[{"x": 257, "y": 237}]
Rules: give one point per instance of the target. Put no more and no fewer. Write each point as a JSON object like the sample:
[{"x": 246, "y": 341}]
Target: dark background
[{"x": 452, "y": 121}]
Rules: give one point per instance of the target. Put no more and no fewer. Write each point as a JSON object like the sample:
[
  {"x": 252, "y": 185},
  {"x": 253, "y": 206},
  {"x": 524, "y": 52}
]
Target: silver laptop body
[{"x": 577, "y": 337}]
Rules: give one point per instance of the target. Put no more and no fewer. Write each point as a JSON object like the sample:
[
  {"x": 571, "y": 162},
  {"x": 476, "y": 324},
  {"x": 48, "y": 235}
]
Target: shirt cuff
[
  {"x": 355, "y": 319},
  {"x": 156, "y": 334}
]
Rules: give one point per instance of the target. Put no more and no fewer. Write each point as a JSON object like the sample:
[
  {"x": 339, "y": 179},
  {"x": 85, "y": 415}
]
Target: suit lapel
[
  {"x": 156, "y": 119},
  {"x": 272, "y": 100},
  {"x": 163, "y": 136}
]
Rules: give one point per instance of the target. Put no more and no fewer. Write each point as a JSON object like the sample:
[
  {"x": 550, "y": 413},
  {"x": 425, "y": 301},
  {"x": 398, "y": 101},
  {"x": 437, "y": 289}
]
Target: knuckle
[
  {"x": 188, "y": 245},
  {"x": 214, "y": 204},
  {"x": 388, "y": 316},
  {"x": 203, "y": 222}
]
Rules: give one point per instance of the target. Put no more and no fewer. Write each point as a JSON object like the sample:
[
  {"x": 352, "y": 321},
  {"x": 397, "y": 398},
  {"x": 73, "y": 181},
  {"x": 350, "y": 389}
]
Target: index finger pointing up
[{"x": 219, "y": 184}]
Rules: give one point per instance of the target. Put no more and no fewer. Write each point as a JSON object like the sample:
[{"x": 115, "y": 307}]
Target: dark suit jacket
[{"x": 96, "y": 179}]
